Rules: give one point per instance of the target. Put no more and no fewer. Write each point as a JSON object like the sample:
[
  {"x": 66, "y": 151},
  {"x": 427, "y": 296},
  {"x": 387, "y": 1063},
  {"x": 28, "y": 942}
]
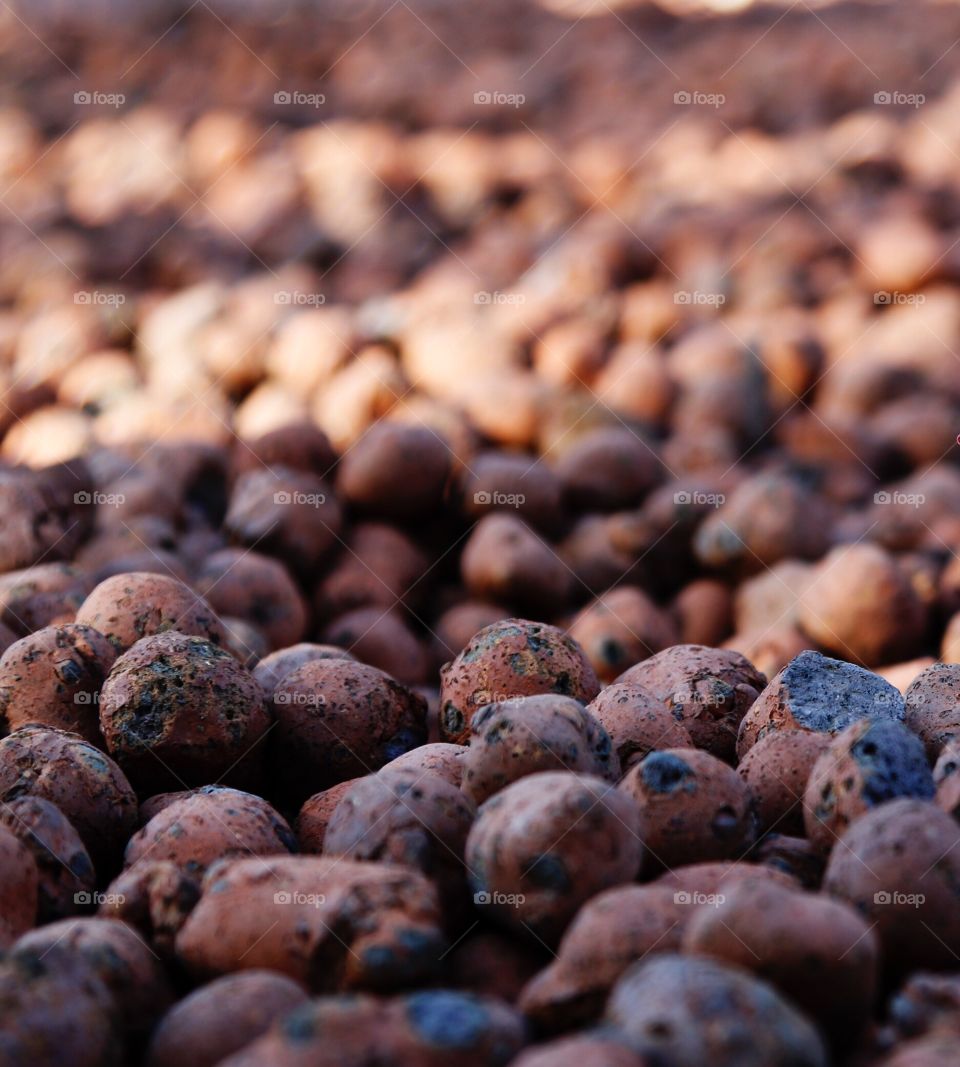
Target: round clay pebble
[
  {"x": 56, "y": 1017},
  {"x": 66, "y": 877},
  {"x": 178, "y": 711},
  {"x": 240, "y": 583},
  {"x": 776, "y": 771},
  {"x": 395, "y": 471},
  {"x": 300, "y": 445},
  {"x": 511, "y": 658},
  {"x": 794, "y": 856},
  {"x": 598, "y": 1049},
  {"x": 337, "y": 719},
  {"x": 421, "y": 1029},
  {"x": 525, "y": 735},
  {"x": 859, "y": 604},
  {"x": 380, "y": 566},
  {"x": 314, "y": 818},
  {"x": 83, "y": 782},
  {"x": 932, "y": 706},
  {"x": 818, "y": 952},
  {"x": 899, "y": 866},
  {"x": 210, "y": 824},
  {"x": 221, "y": 1018},
  {"x": 950, "y": 645},
  {"x": 622, "y": 628},
  {"x": 291, "y": 515},
  {"x": 117, "y": 954},
  {"x": 547, "y": 843},
  {"x": 493, "y": 962},
  {"x": 693, "y": 807},
  {"x": 438, "y": 758},
  {"x": 820, "y": 694},
  {"x": 946, "y": 778},
  {"x": 272, "y": 669},
  {"x": 127, "y": 607},
  {"x": 19, "y": 887},
  {"x": 704, "y": 612},
  {"x": 637, "y": 721},
  {"x": 455, "y": 628},
  {"x": 499, "y": 481},
  {"x": 506, "y": 561},
  {"x": 31, "y": 599},
  {"x": 383, "y": 640},
  {"x": 244, "y": 641},
  {"x": 708, "y": 690},
  {"x": 694, "y": 1011},
  {"x": 329, "y": 922},
  {"x": 937, "y": 1050},
  {"x": 53, "y": 677},
  {"x": 410, "y": 817},
  {"x": 154, "y": 898},
  {"x": 926, "y": 1003},
  {"x": 606, "y": 469},
  {"x": 768, "y": 518},
  {"x": 866, "y": 765},
  {"x": 610, "y": 932}
]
